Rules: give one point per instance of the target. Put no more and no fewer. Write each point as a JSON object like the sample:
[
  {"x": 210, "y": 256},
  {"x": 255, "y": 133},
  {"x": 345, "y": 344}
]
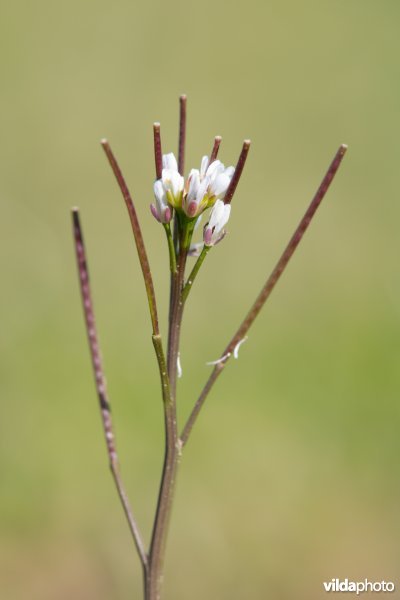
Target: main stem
[{"x": 154, "y": 574}]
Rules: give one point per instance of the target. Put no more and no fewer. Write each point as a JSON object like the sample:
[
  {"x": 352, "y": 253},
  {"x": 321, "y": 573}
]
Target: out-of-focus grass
[{"x": 291, "y": 477}]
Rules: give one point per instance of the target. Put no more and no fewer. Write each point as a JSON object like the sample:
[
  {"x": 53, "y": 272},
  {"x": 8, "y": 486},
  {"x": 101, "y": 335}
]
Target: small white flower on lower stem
[
  {"x": 213, "y": 230},
  {"x": 161, "y": 210}
]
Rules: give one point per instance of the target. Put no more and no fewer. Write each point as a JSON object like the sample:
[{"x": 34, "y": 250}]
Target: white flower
[
  {"x": 172, "y": 180},
  {"x": 160, "y": 210},
  {"x": 218, "y": 179},
  {"x": 213, "y": 230},
  {"x": 205, "y": 186}
]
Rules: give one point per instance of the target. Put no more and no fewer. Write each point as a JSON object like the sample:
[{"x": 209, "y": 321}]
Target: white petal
[
  {"x": 166, "y": 177},
  {"x": 215, "y": 168},
  {"x": 172, "y": 181},
  {"x": 202, "y": 190},
  {"x": 161, "y": 206},
  {"x": 221, "y": 219},
  {"x": 177, "y": 183},
  {"x": 225, "y": 216},
  {"x": 218, "y": 219},
  {"x": 193, "y": 185},
  {"x": 159, "y": 191},
  {"x": 217, "y": 214},
  {"x": 169, "y": 162},
  {"x": 219, "y": 185},
  {"x": 204, "y": 165}
]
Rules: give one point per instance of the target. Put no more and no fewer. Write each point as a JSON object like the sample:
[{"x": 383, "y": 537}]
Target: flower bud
[
  {"x": 160, "y": 210},
  {"x": 213, "y": 230}
]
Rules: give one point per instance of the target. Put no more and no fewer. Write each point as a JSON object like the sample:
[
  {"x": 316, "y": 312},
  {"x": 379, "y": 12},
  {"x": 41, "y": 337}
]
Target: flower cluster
[{"x": 204, "y": 188}]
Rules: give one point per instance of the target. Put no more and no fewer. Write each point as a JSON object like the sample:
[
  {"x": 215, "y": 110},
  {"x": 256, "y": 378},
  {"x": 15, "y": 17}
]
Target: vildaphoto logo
[{"x": 358, "y": 587}]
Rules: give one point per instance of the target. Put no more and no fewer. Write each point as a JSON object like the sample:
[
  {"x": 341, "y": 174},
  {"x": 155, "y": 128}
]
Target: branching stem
[
  {"x": 266, "y": 290},
  {"x": 178, "y": 247},
  {"x": 193, "y": 274}
]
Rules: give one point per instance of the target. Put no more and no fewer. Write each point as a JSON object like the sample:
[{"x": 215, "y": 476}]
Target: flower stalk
[
  {"x": 179, "y": 205},
  {"x": 194, "y": 271},
  {"x": 171, "y": 249}
]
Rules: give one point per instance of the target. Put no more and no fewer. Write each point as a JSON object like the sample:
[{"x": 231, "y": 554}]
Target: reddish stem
[
  {"x": 182, "y": 133},
  {"x": 214, "y": 152},
  {"x": 157, "y": 150},
  {"x": 238, "y": 172},
  {"x": 137, "y": 233},
  {"x": 101, "y": 383}
]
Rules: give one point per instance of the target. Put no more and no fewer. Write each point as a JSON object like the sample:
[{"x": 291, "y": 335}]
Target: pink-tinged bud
[
  {"x": 154, "y": 212},
  {"x": 191, "y": 209},
  {"x": 168, "y": 214},
  {"x": 207, "y": 236},
  {"x": 161, "y": 210}
]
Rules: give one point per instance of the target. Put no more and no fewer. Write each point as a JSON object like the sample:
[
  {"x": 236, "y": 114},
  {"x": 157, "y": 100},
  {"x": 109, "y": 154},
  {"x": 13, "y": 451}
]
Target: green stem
[
  {"x": 187, "y": 234},
  {"x": 177, "y": 305},
  {"x": 162, "y": 366},
  {"x": 171, "y": 248},
  {"x": 193, "y": 274}
]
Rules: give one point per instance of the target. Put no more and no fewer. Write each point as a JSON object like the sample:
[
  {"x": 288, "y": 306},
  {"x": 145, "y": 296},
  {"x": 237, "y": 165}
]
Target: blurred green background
[{"x": 291, "y": 477}]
